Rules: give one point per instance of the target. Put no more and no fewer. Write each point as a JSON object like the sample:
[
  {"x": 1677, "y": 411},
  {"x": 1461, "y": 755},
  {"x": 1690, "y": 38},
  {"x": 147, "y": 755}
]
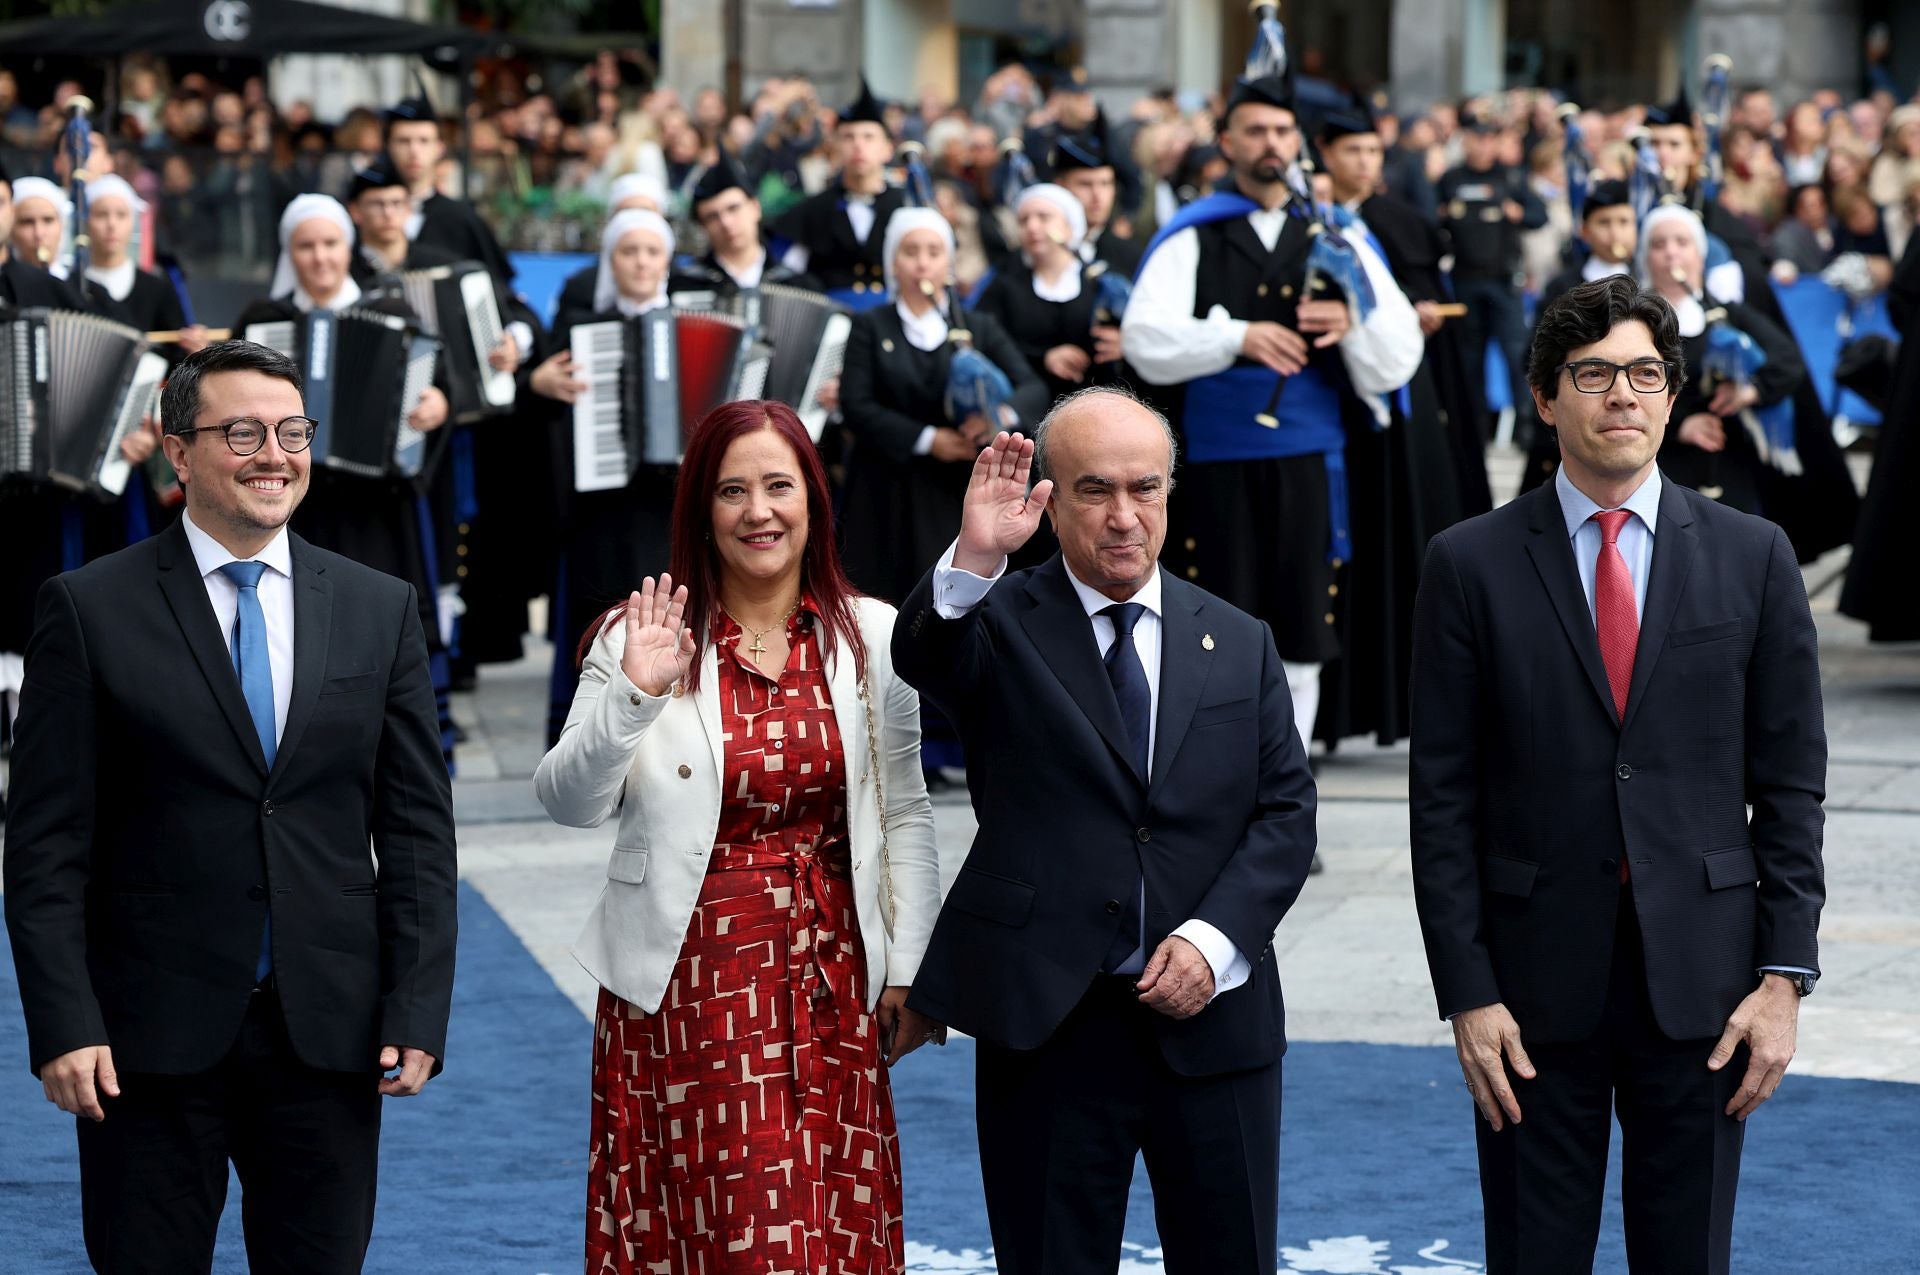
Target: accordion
[
  {"x": 72, "y": 386},
  {"x": 650, "y": 380},
  {"x": 364, "y": 372},
  {"x": 807, "y": 335},
  {"x": 456, "y": 303}
]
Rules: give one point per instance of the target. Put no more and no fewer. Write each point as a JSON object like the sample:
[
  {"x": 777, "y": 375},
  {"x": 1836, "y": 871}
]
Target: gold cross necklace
[{"x": 759, "y": 647}]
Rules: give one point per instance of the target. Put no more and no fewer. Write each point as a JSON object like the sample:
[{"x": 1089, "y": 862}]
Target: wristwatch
[{"x": 1802, "y": 983}]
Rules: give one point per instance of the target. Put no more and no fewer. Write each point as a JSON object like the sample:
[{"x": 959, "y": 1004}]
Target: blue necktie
[
  {"x": 255, "y": 672},
  {"x": 1129, "y": 679}
]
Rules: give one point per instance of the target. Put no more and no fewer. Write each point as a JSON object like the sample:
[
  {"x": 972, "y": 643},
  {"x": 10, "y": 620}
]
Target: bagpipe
[
  {"x": 975, "y": 386},
  {"x": 1333, "y": 264},
  {"x": 1731, "y": 355},
  {"x": 1577, "y": 160},
  {"x": 1713, "y": 117}
]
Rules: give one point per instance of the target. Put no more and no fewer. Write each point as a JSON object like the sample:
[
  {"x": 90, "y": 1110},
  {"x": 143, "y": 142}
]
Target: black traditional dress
[
  {"x": 1881, "y": 586},
  {"x": 1736, "y": 476},
  {"x": 609, "y": 540},
  {"x": 902, "y": 510}
]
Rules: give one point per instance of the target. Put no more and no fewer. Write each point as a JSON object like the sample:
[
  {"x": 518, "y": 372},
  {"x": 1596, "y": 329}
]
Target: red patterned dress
[{"x": 748, "y": 1125}]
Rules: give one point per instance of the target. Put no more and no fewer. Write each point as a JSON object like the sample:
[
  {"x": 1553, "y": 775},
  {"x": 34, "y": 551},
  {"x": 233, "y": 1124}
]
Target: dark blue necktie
[
  {"x": 255, "y": 672},
  {"x": 1130, "y": 691}
]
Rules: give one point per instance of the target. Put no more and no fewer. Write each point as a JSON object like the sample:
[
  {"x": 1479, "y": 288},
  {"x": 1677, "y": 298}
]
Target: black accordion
[
  {"x": 456, "y": 303},
  {"x": 650, "y": 380},
  {"x": 72, "y": 386},
  {"x": 365, "y": 372},
  {"x": 806, "y": 333}
]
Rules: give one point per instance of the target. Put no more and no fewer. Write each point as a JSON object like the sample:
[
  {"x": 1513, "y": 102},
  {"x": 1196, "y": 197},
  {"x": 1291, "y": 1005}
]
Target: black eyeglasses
[
  {"x": 248, "y": 434},
  {"x": 1596, "y": 376}
]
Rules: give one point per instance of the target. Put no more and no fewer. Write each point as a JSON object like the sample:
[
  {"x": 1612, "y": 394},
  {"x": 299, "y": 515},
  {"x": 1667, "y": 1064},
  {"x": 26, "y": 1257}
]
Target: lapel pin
[{"x": 1206, "y": 643}]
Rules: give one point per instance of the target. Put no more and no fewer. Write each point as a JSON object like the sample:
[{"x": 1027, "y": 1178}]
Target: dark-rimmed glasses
[
  {"x": 249, "y": 434},
  {"x": 1596, "y": 376}
]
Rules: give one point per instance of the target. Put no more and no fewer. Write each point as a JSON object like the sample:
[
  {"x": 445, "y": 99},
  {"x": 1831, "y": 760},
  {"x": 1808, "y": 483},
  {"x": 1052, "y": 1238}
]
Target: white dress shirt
[
  {"x": 1167, "y": 345},
  {"x": 1636, "y": 534},
  {"x": 957, "y": 591},
  {"x": 1595, "y": 268},
  {"x": 750, "y": 277},
  {"x": 276, "y": 604}
]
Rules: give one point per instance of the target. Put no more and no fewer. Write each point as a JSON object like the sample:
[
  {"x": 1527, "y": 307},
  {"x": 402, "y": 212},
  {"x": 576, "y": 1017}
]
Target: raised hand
[
  {"x": 659, "y": 645},
  {"x": 999, "y": 514}
]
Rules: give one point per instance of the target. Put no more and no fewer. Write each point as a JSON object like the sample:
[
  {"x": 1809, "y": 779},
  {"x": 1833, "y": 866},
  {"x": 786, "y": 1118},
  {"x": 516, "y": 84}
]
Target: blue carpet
[{"x": 484, "y": 1172}]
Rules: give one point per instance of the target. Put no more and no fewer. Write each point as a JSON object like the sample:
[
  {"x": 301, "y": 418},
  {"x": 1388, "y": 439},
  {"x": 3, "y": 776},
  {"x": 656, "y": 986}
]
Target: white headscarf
[
  {"x": 305, "y": 208},
  {"x": 1070, "y": 208},
  {"x": 112, "y": 186},
  {"x": 902, "y": 223},
  {"x": 1659, "y": 216},
  {"x": 631, "y": 184},
  {"x": 41, "y": 188},
  {"x": 605, "y": 291}
]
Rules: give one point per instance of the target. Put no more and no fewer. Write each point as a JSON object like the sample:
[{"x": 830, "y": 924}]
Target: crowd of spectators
[{"x": 1824, "y": 178}]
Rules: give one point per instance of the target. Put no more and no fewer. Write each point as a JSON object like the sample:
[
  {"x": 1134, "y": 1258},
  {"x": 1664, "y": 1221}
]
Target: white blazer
[{"x": 655, "y": 761}]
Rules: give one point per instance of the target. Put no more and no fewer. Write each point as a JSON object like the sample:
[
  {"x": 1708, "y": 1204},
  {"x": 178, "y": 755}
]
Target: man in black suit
[
  {"x": 1146, "y": 819},
  {"x": 1607, "y": 673},
  {"x": 216, "y": 724}
]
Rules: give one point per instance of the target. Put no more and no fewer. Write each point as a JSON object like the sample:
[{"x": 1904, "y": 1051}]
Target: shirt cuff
[
  {"x": 522, "y": 334},
  {"x": 957, "y": 591},
  {"x": 923, "y": 445},
  {"x": 1230, "y": 968}
]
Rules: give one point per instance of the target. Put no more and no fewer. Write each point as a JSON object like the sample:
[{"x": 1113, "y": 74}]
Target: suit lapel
[
  {"x": 1673, "y": 550},
  {"x": 1184, "y": 665},
  {"x": 1058, "y": 625},
  {"x": 186, "y": 596},
  {"x": 1552, "y": 552},
  {"x": 850, "y": 712},
  {"x": 707, "y": 700},
  {"x": 312, "y": 632}
]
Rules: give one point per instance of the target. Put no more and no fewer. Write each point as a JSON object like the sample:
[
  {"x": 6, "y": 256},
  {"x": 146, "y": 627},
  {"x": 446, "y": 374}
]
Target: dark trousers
[
  {"x": 153, "y": 1174},
  {"x": 1060, "y": 1127},
  {"x": 1496, "y": 312},
  {"x": 1542, "y": 1180}
]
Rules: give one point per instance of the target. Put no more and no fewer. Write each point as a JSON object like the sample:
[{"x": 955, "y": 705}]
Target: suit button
[
  {"x": 1623, "y": 771},
  {"x": 1113, "y": 907},
  {"x": 266, "y": 808},
  {"x": 1262, "y": 290},
  {"x": 255, "y": 893},
  {"x": 1143, "y": 836},
  {"x": 1610, "y": 867},
  {"x": 686, "y": 772}
]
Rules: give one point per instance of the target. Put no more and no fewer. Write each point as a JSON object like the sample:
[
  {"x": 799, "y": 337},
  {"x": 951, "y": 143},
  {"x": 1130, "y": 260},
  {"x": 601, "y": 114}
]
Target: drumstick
[
  {"x": 172, "y": 335},
  {"x": 1450, "y": 309}
]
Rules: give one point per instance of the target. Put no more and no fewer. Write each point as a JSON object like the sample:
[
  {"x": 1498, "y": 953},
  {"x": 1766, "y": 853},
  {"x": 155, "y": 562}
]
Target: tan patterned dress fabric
[{"x": 748, "y": 1126}]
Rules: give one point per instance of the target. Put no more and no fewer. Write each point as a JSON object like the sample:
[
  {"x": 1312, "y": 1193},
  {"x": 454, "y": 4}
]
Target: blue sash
[
  {"x": 1218, "y": 420},
  {"x": 1222, "y": 206},
  {"x": 857, "y": 301}
]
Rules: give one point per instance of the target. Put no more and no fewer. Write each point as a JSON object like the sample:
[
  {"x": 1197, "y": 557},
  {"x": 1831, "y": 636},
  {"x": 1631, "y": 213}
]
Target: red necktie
[{"x": 1615, "y": 616}]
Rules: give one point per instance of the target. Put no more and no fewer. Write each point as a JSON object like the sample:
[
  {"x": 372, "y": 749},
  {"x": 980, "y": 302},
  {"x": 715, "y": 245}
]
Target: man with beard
[{"x": 1222, "y": 323}]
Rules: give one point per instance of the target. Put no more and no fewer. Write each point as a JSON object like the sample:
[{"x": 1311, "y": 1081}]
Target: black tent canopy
[{"x": 241, "y": 29}]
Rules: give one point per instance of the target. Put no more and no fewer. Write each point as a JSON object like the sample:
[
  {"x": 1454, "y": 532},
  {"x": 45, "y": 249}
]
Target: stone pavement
[{"x": 1350, "y": 949}]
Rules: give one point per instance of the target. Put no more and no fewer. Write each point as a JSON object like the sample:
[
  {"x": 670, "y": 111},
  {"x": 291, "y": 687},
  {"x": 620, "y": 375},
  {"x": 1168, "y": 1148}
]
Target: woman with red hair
[{"x": 772, "y": 884}]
